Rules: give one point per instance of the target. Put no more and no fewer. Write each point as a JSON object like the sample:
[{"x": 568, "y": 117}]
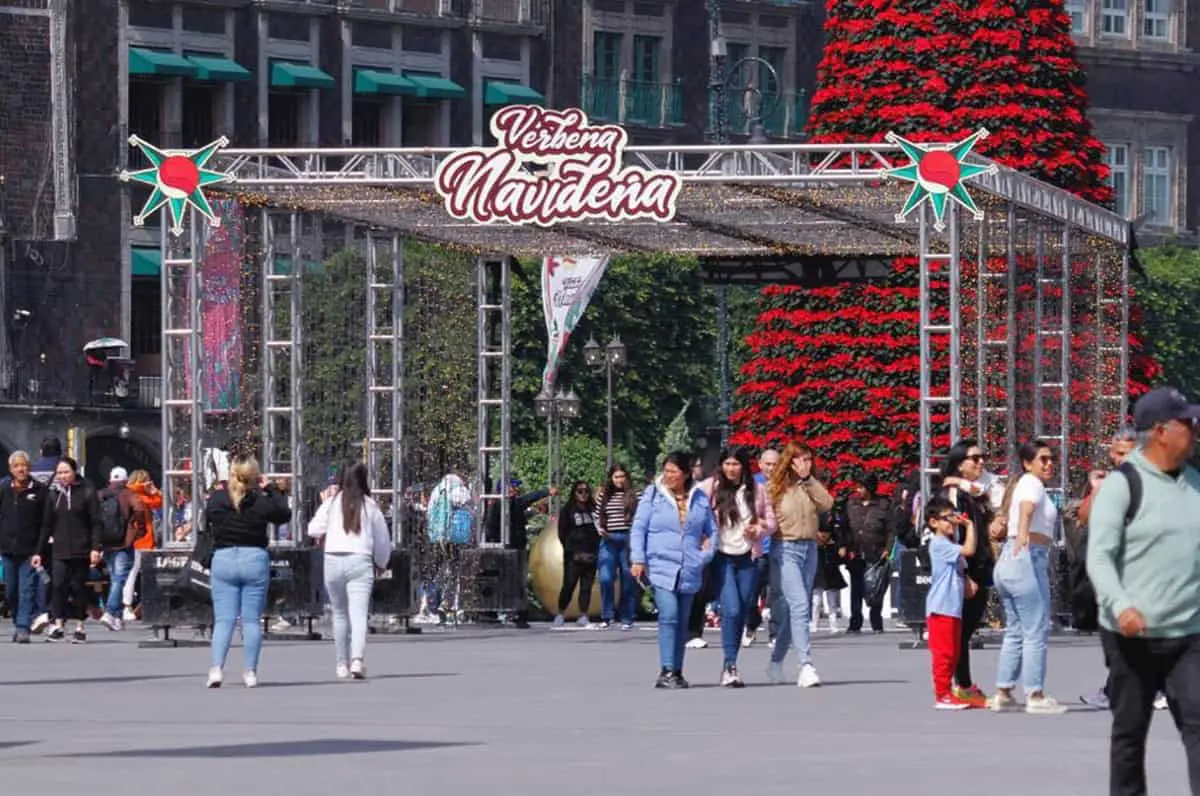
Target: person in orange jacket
[{"x": 144, "y": 499}]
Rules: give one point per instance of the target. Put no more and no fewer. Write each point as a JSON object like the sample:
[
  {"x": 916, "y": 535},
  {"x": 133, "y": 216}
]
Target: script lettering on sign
[{"x": 551, "y": 167}]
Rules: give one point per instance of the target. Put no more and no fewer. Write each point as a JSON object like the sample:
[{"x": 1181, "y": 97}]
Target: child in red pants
[{"x": 944, "y": 602}]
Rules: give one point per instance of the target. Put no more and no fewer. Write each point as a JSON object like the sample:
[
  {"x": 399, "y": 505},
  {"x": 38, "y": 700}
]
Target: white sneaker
[
  {"x": 697, "y": 644},
  {"x": 808, "y": 677},
  {"x": 1044, "y": 705},
  {"x": 250, "y": 679},
  {"x": 39, "y": 624},
  {"x": 583, "y": 622},
  {"x": 812, "y": 628},
  {"x": 343, "y": 671},
  {"x": 775, "y": 673},
  {"x": 357, "y": 670},
  {"x": 129, "y": 615},
  {"x": 1160, "y": 702},
  {"x": 110, "y": 621},
  {"x": 559, "y": 620},
  {"x": 1003, "y": 703},
  {"x": 215, "y": 678},
  {"x": 747, "y": 639}
]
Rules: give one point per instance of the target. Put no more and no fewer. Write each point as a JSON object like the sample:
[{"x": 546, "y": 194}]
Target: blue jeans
[
  {"x": 736, "y": 587},
  {"x": 613, "y": 558},
  {"x": 240, "y": 576},
  {"x": 797, "y": 572},
  {"x": 118, "y": 563},
  {"x": 1023, "y": 583},
  {"x": 20, "y": 590},
  {"x": 673, "y": 610}
]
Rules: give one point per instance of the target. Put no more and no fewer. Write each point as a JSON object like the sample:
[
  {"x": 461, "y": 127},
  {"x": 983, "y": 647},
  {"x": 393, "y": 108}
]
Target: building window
[
  {"x": 1156, "y": 185},
  {"x": 204, "y": 20},
  {"x": 1155, "y": 19},
  {"x": 420, "y": 124},
  {"x": 495, "y": 47},
  {"x": 606, "y": 55},
  {"x": 145, "y": 316},
  {"x": 645, "y": 58},
  {"x": 150, "y": 15},
  {"x": 1118, "y": 177},
  {"x": 735, "y": 52},
  {"x": 199, "y": 115},
  {"x": 1077, "y": 9},
  {"x": 145, "y": 120},
  {"x": 777, "y": 58},
  {"x": 1114, "y": 17},
  {"x": 283, "y": 119},
  {"x": 367, "y": 123}
]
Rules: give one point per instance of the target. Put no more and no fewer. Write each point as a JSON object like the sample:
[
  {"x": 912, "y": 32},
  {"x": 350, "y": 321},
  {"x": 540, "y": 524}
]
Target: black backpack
[
  {"x": 1085, "y": 610},
  {"x": 113, "y": 522}
]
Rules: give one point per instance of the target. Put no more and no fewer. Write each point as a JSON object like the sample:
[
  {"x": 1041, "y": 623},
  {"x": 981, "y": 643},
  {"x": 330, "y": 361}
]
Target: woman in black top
[
  {"x": 73, "y": 523},
  {"x": 237, "y": 518},
  {"x": 581, "y": 545},
  {"x": 615, "y": 505},
  {"x": 963, "y": 465}
]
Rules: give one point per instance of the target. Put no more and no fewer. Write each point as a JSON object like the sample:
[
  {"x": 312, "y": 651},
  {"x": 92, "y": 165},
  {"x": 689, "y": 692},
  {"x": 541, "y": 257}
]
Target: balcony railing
[
  {"x": 632, "y": 101},
  {"x": 786, "y": 120},
  {"x": 512, "y": 12},
  {"x": 429, "y": 8}
]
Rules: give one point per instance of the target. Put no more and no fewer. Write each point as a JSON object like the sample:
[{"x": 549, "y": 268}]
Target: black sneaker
[
  {"x": 730, "y": 678},
  {"x": 664, "y": 680},
  {"x": 56, "y": 634},
  {"x": 679, "y": 681},
  {"x": 79, "y": 637}
]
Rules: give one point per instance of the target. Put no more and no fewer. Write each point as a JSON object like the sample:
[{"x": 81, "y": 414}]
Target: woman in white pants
[{"x": 356, "y": 548}]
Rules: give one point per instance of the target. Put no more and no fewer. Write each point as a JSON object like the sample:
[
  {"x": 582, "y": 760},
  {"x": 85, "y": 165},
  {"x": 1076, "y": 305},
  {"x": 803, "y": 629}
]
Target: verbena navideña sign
[{"x": 552, "y": 167}]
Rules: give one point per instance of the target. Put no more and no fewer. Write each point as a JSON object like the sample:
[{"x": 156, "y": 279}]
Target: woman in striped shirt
[{"x": 615, "y": 504}]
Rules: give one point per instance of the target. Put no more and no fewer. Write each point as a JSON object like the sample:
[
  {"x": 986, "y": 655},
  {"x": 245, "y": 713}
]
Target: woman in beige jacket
[{"x": 799, "y": 499}]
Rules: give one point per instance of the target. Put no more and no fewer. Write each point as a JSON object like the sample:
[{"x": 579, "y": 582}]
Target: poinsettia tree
[{"x": 839, "y": 366}]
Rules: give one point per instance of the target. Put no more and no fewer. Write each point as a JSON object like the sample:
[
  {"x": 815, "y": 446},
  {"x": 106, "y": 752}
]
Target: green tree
[
  {"x": 678, "y": 437},
  {"x": 583, "y": 459},
  {"x": 1170, "y": 325},
  {"x": 662, "y": 311}
]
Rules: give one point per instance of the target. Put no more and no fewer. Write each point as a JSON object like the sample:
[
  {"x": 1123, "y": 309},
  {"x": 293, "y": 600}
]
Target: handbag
[
  {"x": 197, "y": 574},
  {"x": 875, "y": 582}
]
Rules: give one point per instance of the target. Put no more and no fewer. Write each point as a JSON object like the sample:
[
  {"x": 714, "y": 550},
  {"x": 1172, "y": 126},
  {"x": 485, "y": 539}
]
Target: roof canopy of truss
[{"x": 738, "y": 203}]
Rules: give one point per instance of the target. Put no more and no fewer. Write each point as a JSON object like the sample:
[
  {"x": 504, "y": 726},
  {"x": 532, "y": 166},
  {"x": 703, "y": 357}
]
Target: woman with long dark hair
[
  {"x": 238, "y": 518},
  {"x": 964, "y": 465},
  {"x": 580, "y": 543},
  {"x": 73, "y": 522},
  {"x": 671, "y": 541},
  {"x": 615, "y": 505},
  {"x": 799, "y": 499},
  {"x": 744, "y": 518},
  {"x": 357, "y": 547}
]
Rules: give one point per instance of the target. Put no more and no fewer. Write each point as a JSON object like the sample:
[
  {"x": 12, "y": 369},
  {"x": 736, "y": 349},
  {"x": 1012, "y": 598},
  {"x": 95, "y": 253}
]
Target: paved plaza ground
[{"x": 536, "y": 713}]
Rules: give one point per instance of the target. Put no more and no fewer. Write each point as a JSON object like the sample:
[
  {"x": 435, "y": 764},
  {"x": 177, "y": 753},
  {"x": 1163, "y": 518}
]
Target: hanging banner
[{"x": 567, "y": 287}]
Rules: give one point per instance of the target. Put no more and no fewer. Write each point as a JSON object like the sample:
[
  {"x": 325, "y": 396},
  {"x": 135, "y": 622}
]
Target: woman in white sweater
[{"x": 357, "y": 547}]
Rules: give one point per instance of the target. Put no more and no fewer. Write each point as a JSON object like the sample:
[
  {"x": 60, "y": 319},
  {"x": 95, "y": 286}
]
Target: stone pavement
[{"x": 536, "y": 713}]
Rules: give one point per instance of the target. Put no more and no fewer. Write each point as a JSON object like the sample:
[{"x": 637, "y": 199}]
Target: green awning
[
  {"x": 283, "y": 265},
  {"x": 289, "y": 75},
  {"x": 145, "y": 261},
  {"x": 498, "y": 93},
  {"x": 158, "y": 62},
  {"x": 434, "y": 87},
  {"x": 371, "y": 81},
  {"x": 214, "y": 67}
]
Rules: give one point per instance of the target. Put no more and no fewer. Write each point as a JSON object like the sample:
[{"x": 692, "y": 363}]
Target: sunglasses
[
  {"x": 583, "y": 490},
  {"x": 977, "y": 457}
]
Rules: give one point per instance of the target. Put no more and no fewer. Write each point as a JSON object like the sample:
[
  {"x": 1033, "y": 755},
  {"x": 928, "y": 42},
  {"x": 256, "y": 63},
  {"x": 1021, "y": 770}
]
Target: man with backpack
[
  {"x": 1142, "y": 564},
  {"x": 115, "y": 513}
]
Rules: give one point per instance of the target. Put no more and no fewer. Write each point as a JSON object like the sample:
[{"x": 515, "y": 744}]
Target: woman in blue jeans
[
  {"x": 744, "y": 518},
  {"x": 616, "y": 501},
  {"x": 671, "y": 539},
  {"x": 1022, "y": 580},
  {"x": 237, "y": 517},
  {"x": 357, "y": 547}
]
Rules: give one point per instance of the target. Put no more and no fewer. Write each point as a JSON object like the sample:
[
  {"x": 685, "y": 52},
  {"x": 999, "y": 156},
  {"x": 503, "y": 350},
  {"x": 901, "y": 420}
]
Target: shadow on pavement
[{"x": 311, "y": 748}]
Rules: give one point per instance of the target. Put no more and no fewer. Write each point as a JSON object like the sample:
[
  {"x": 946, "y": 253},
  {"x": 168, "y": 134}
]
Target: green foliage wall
[
  {"x": 583, "y": 458},
  {"x": 1170, "y": 314}
]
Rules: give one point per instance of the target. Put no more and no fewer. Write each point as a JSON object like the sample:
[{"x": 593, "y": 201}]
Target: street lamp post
[
  {"x": 613, "y": 355},
  {"x": 556, "y": 408}
]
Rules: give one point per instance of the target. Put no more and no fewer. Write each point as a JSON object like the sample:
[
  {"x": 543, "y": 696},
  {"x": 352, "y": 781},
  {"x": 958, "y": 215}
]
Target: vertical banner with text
[{"x": 567, "y": 287}]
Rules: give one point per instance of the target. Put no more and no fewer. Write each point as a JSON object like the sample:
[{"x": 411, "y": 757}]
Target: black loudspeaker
[
  {"x": 914, "y": 585},
  {"x": 297, "y": 582},
  {"x": 393, "y": 594},
  {"x": 493, "y": 579},
  {"x": 166, "y": 600}
]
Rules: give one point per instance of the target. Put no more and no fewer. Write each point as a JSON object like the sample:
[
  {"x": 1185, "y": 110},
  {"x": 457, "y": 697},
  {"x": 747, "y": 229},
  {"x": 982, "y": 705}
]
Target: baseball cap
[
  {"x": 1161, "y": 405},
  {"x": 118, "y": 474}
]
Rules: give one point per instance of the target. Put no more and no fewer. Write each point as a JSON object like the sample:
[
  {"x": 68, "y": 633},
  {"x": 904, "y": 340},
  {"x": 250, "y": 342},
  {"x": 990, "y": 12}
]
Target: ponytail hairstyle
[
  {"x": 243, "y": 476},
  {"x": 354, "y": 492}
]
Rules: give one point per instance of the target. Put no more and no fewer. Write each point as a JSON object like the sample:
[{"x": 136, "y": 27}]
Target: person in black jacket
[
  {"x": 237, "y": 519},
  {"x": 518, "y": 518},
  {"x": 868, "y": 536},
  {"x": 22, "y": 511},
  {"x": 71, "y": 530},
  {"x": 962, "y": 466},
  {"x": 581, "y": 545}
]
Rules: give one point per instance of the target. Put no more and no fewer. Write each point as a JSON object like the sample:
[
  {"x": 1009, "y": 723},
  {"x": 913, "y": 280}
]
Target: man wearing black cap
[{"x": 1144, "y": 568}]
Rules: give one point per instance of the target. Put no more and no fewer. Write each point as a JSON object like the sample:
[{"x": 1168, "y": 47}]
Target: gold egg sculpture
[{"x": 546, "y": 575}]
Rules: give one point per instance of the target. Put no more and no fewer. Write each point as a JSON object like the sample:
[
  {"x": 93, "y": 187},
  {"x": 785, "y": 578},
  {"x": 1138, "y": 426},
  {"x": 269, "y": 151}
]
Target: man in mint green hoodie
[{"x": 1146, "y": 573}]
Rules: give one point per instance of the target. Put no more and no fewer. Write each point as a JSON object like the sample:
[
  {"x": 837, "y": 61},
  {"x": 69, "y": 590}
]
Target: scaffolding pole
[
  {"x": 929, "y": 331},
  {"x": 183, "y": 373},
  {"x": 494, "y": 341},
  {"x": 385, "y": 376}
]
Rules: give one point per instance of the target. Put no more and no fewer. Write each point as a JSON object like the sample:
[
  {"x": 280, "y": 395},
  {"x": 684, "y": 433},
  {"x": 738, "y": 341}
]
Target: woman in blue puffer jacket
[{"x": 672, "y": 540}]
